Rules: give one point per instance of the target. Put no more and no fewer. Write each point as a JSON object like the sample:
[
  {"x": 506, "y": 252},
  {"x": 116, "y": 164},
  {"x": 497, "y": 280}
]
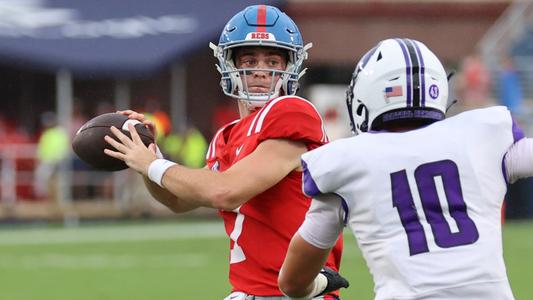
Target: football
[{"x": 89, "y": 143}]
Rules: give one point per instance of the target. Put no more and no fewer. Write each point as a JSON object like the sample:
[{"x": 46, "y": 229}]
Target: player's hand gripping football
[
  {"x": 335, "y": 281},
  {"x": 133, "y": 115},
  {"x": 132, "y": 151}
]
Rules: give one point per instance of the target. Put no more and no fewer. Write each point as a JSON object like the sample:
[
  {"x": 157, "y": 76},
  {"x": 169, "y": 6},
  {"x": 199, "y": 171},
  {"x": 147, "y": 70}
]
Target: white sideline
[{"x": 110, "y": 233}]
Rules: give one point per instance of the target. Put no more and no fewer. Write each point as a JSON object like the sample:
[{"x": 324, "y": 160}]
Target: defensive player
[
  {"x": 253, "y": 173},
  {"x": 422, "y": 194}
]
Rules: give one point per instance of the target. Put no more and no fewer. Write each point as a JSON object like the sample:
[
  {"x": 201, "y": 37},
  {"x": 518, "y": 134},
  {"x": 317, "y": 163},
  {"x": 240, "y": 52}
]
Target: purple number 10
[{"x": 425, "y": 181}]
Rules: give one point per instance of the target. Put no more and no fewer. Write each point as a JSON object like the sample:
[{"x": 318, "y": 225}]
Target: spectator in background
[
  {"x": 474, "y": 83},
  {"x": 188, "y": 148},
  {"x": 12, "y": 133},
  {"x": 52, "y": 148},
  {"x": 152, "y": 111},
  {"x": 79, "y": 166},
  {"x": 78, "y": 117},
  {"x": 11, "y": 137},
  {"x": 510, "y": 88},
  {"x": 162, "y": 123}
]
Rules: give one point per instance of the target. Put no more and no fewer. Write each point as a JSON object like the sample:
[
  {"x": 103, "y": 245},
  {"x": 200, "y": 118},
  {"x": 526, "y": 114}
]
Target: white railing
[
  {"x": 509, "y": 26},
  {"x": 119, "y": 194},
  {"x": 18, "y": 163},
  {"x": 11, "y": 175}
]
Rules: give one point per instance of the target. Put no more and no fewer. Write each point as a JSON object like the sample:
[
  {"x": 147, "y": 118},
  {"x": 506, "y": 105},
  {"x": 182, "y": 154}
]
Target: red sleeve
[{"x": 292, "y": 118}]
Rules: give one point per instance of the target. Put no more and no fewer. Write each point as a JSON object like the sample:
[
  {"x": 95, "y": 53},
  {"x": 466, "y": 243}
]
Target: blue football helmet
[{"x": 265, "y": 26}]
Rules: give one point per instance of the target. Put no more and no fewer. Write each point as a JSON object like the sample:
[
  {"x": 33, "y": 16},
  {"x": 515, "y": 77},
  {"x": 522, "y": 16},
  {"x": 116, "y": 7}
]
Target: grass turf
[{"x": 169, "y": 261}]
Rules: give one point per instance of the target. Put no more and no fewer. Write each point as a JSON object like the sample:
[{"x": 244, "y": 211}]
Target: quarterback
[{"x": 253, "y": 173}]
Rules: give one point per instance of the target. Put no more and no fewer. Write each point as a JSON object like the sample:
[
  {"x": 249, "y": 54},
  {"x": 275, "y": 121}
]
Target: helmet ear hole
[
  {"x": 362, "y": 115},
  {"x": 359, "y": 110}
]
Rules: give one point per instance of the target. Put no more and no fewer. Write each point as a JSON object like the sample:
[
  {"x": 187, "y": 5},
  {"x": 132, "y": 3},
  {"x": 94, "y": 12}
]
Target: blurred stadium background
[{"x": 67, "y": 231}]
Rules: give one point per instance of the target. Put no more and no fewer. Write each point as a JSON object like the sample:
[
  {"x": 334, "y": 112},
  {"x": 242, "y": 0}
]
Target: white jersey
[{"x": 424, "y": 205}]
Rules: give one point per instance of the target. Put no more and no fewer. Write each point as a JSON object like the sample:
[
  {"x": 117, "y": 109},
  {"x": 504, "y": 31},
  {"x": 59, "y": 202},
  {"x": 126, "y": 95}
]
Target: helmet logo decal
[
  {"x": 393, "y": 91},
  {"x": 260, "y": 36},
  {"x": 434, "y": 91}
]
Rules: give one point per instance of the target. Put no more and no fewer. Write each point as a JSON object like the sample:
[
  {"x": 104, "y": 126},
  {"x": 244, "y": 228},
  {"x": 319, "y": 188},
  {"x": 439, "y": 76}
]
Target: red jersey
[{"x": 260, "y": 230}]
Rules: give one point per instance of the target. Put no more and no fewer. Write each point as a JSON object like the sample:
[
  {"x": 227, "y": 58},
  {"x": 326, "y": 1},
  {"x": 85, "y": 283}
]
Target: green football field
[{"x": 168, "y": 261}]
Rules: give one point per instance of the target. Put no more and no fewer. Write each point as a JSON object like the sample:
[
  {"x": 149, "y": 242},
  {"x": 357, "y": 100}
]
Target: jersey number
[
  {"x": 425, "y": 181},
  {"x": 236, "y": 253}
]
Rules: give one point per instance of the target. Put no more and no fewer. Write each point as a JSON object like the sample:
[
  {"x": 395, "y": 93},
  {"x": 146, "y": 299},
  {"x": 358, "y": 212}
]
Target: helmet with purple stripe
[
  {"x": 265, "y": 26},
  {"x": 397, "y": 80}
]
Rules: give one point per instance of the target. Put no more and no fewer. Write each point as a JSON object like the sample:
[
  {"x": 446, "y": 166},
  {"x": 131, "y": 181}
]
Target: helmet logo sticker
[
  {"x": 393, "y": 91},
  {"x": 260, "y": 36},
  {"x": 434, "y": 91}
]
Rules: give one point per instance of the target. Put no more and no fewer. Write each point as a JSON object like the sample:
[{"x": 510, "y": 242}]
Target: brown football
[{"x": 89, "y": 143}]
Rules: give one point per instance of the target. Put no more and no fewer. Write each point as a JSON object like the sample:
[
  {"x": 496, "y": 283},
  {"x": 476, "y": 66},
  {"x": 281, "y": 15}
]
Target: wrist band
[
  {"x": 157, "y": 169},
  {"x": 319, "y": 285}
]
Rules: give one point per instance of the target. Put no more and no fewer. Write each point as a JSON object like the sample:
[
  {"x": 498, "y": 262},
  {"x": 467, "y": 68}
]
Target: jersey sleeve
[
  {"x": 291, "y": 118},
  {"x": 323, "y": 222},
  {"x": 492, "y": 129},
  {"x": 323, "y": 169},
  {"x": 497, "y": 122}
]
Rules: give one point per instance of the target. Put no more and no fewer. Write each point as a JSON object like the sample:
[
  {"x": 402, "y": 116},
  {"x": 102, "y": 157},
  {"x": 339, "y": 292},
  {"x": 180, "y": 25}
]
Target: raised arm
[
  {"x": 168, "y": 199},
  {"x": 302, "y": 275},
  {"x": 257, "y": 172},
  {"x": 189, "y": 188}
]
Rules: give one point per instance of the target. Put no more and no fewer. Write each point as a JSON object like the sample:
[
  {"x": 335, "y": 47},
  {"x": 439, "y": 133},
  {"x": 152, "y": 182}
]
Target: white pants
[{"x": 243, "y": 296}]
